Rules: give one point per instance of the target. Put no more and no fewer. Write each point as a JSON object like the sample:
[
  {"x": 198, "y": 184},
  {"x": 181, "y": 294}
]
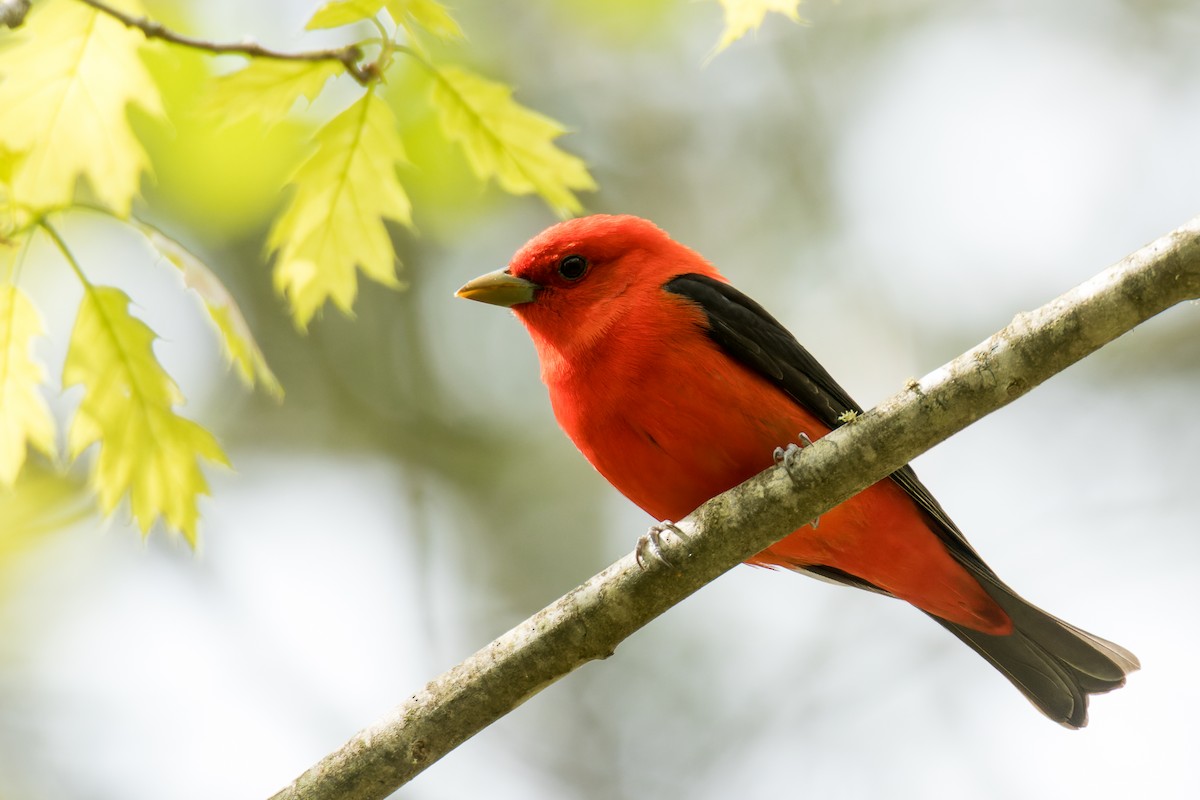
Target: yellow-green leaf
[
  {"x": 146, "y": 449},
  {"x": 428, "y": 14},
  {"x": 266, "y": 89},
  {"x": 24, "y": 416},
  {"x": 67, "y": 84},
  {"x": 236, "y": 338},
  {"x": 334, "y": 219},
  {"x": 742, "y": 16},
  {"x": 224, "y": 180},
  {"x": 507, "y": 141},
  {"x": 343, "y": 12}
]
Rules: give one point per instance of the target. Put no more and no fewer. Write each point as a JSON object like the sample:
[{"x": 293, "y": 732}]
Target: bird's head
[{"x": 574, "y": 281}]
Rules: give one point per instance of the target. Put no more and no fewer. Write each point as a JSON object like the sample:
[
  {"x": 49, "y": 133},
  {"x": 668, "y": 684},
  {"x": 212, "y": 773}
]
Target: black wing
[
  {"x": 744, "y": 330},
  {"x": 1052, "y": 663}
]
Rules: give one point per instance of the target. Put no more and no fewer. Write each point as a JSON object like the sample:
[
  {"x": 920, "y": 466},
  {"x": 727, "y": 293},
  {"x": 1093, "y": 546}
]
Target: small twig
[{"x": 349, "y": 56}]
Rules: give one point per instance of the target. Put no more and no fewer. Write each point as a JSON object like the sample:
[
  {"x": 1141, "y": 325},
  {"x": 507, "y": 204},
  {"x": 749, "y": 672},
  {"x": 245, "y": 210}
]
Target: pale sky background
[{"x": 894, "y": 182}]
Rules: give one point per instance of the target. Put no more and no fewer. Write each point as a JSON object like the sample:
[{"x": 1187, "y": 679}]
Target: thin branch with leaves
[{"x": 349, "y": 56}]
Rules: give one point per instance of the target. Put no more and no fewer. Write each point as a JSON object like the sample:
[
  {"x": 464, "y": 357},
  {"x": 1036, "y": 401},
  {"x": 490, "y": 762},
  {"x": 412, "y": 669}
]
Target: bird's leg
[
  {"x": 650, "y": 543},
  {"x": 786, "y": 457}
]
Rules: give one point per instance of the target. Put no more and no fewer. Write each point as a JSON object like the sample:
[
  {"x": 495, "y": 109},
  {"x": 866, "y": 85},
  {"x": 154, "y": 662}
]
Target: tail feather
[{"x": 1054, "y": 664}]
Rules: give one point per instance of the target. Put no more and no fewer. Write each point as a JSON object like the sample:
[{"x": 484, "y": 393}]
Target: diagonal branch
[
  {"x": 349, "y": 56},
  {"x": 590, "y": 622}
]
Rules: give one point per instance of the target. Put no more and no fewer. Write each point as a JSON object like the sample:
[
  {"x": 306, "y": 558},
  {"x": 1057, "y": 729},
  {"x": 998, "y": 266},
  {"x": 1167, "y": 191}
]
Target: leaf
[
  {"x": 236, "y": 338},
  {"x": 507, "y": 141},
  {"x": 24, "y": 416},
  {"x": 67, "y": 85},
  {"x": 225, "y": 180},
  {"x": 334, "y": 219},
  {"x": 428, "y": 14},
  {"x": 266, "y": 89},
  {"x": 343, "y": 12},
  {"x": 146, "y": 450},
  {"x": 742, "y": 16}
]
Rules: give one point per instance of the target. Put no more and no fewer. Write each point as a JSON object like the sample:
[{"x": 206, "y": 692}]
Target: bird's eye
[{"x": 572, "y": 267}]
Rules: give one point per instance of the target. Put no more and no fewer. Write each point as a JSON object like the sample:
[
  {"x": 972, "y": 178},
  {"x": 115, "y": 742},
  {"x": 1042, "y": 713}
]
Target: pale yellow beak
[{"x": 499, "y": 288}]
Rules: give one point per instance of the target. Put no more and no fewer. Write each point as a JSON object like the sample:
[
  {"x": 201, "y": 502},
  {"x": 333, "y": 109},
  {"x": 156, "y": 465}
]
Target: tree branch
[
  {"x": 349, "y": 56},
  {"x": 589, "y": 622}
]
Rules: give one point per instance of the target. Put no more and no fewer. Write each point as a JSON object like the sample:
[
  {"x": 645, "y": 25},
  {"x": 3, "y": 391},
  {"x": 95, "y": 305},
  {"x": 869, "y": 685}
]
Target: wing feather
[{"x": 749, "y": 334}]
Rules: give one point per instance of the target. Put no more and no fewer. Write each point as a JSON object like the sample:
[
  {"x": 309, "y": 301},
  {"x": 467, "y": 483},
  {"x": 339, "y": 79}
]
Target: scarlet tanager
[{"x": 676, "y": 387}]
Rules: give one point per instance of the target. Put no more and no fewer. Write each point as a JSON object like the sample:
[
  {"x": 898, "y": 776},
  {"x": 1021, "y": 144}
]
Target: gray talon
[
  {"x": 650, "y": 544},
  {"x": 786, "y": 457}
]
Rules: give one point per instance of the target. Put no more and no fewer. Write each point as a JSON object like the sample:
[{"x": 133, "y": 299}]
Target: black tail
[{"x": 1054, "y": 664}]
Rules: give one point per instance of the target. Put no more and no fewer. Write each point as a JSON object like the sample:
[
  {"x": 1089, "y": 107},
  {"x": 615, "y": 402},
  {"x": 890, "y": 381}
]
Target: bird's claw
[
  {"x": 649, "y": 544},
  {"x": 786, "y": 457}
]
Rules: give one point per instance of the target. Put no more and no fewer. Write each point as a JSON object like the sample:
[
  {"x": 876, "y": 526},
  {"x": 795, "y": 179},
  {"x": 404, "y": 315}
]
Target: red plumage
[{"x": 665, "y": 396}]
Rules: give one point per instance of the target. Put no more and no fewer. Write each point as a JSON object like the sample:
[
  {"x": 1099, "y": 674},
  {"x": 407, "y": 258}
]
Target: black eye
[{"x": 572, "y": 267}]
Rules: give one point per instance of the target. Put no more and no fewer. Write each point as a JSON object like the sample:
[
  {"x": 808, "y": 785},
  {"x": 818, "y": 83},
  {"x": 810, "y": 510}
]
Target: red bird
[{"x": 676, "y": 387}]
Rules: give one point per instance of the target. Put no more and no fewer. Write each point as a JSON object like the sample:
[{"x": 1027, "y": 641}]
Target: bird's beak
[{"x": 499, "y": 288}]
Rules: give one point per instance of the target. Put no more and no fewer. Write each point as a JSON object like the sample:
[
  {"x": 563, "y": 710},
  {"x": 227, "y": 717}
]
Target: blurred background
[{"x": 894, "y": 181}]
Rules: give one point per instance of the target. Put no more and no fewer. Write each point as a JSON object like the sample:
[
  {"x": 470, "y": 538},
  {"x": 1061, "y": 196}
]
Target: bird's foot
[
  {"x": 649, "y": 544},
  {"x": 786, "y": 457}
]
